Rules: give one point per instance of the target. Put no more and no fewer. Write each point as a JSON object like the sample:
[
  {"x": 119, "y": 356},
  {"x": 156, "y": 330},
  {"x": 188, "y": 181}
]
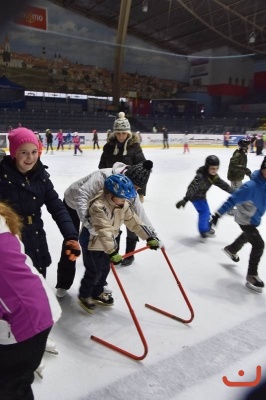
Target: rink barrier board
[{"x": 149, "y": 140}]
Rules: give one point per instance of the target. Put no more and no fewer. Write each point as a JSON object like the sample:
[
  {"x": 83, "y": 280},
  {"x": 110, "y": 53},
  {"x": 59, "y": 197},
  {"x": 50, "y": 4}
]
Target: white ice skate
[
  {"x": 40, "y": 369},
  {"x": 51, "y": 346}
]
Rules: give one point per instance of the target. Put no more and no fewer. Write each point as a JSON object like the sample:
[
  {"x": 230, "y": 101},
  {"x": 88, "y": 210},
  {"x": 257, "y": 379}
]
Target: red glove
[{"x": 72, "y": 249}]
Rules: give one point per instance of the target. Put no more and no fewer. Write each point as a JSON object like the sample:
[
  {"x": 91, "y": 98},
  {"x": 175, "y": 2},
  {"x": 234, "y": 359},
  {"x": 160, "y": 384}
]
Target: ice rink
[{"x": 184, "y": 361}]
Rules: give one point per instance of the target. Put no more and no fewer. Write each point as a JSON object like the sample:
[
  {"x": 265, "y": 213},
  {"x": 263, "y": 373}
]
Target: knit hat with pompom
[{"x": 122, "y": 124}]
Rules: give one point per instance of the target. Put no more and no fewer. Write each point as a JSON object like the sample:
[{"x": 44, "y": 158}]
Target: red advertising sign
[{"x": 35, "y": 17}]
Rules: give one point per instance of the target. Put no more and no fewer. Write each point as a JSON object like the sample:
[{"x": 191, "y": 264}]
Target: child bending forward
[{"x": 107, "y": 212}]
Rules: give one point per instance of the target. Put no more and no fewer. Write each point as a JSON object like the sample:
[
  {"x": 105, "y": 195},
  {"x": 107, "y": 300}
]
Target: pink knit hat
[{"x": 19, "y": 136}]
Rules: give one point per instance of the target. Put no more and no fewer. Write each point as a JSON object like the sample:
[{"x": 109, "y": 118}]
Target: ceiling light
[
  {"x": 144, "y": 6},
  {"x": 252, "y": 37}
]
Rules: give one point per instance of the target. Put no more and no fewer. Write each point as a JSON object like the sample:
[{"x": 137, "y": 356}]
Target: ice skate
[
  {"x": 127, "y": 261},
  {"x": 104, "y": 299},
  {"x": 40, "y": 369},
  {"x": 107, "y": 290},
  {"x": 254, "y": 283},
  {"x": 51, "y": 346},
  {"x": 60, "y": 293},
  {"x": 205, "y": 235},
  {"x": 87, "y": 304},
  {"x": 233, "y": 256}
]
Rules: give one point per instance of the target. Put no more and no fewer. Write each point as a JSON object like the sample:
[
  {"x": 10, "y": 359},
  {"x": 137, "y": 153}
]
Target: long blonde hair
[{"x": 13, "y": 221}]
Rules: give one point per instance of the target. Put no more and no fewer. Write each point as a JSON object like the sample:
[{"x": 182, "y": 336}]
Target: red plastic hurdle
[{"x": 145, "y": 352}]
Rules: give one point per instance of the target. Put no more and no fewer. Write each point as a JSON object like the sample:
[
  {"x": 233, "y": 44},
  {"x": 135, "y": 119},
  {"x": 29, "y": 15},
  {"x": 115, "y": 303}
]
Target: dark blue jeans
[{"x": 97, "y": 268}]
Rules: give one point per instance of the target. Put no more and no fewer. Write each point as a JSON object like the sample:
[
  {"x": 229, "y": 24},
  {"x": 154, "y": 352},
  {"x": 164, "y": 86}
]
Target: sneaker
[
  {"x": 255, "y": 283},
  {"x": 107, "y": 290},
  {"x": 104, "y": 299},
  {"x": 61, "y": 293},
  {"x": 233, "y": 256},
  {"x": 87, "y": 304},
  {"x": 127, "y": 261}
]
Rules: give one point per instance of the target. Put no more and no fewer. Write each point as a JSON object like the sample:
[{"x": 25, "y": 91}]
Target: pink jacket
[{"x": 27, "y": 305}]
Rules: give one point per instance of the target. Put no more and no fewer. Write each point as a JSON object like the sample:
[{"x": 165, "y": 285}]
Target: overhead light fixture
[
  {"x": 144, "y": 6},
  {"x": 252, "y": 37}
]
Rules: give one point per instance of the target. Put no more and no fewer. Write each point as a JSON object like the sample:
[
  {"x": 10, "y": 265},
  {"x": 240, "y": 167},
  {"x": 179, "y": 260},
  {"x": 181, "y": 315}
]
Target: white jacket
[{"x": 80, "y": 193}]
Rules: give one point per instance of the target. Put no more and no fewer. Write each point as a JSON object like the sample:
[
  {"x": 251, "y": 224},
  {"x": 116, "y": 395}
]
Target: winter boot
[
  {"x": 130, "y": 246},
  {"x": 255, "y": 283}
]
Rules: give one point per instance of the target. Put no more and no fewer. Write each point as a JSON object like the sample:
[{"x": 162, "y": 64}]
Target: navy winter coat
[{"x": 26, "y": 194}]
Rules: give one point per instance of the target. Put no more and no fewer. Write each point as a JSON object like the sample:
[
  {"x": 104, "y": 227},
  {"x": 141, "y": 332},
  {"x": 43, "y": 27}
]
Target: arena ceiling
[{"x": 185, "y": 26}]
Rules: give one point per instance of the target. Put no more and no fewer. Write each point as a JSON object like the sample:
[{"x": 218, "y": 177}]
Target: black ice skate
[
  {"x": 233, "y": 256},
  {"x": 87, "y": 304},
  {"x": 104, "y": 299},
  {"x": 254, "y": 283}
]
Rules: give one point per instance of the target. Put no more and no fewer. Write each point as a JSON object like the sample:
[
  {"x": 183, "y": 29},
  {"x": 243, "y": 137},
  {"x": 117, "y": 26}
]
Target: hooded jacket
[
  {"x": 80, "y": 193},
  {"x": 28, "y": 305},
  {"x": 237, "y": 166},
  {"x": 250, "y": 199},
  {"x": 202, "y": 182}
]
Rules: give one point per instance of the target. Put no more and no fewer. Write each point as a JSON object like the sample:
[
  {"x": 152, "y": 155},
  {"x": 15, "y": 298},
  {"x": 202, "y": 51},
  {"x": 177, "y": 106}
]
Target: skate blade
[
  {"x": 100, "y": 303},
  {"x": 253, "y": 288},
  {"x": 85, "y": 308},
  {"x": 39, "y": 373},
  {"x": 55, "y": 352}
]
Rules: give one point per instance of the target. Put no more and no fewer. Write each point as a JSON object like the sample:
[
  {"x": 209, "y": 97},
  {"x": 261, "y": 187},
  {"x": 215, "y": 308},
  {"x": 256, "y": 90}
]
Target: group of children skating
[
  {"x": 103, "y": 201},
  {"x": 249, "y": 200}
]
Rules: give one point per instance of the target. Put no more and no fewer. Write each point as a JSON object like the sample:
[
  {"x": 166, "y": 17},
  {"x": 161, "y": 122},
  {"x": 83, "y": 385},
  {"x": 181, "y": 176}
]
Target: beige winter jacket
[{"x": 106, "y": 218}]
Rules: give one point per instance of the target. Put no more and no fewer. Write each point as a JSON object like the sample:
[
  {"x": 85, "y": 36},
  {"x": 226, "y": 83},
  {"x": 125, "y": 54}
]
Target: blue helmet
[{"x": 120, "y": 186}]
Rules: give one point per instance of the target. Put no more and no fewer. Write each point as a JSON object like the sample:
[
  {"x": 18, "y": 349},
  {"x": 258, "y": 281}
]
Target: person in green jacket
[{"x": 237, "y": 168}]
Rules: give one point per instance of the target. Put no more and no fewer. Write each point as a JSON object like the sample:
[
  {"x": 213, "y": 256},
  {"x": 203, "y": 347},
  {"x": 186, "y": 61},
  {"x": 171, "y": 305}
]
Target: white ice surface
[{"x": 184, "y": 362}]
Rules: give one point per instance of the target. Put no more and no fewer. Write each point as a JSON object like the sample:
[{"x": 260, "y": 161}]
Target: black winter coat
[
  {"x": 27, "y": 194},
  {"x": 129, "y": 153},
  {"x": 202, "y": 182}
]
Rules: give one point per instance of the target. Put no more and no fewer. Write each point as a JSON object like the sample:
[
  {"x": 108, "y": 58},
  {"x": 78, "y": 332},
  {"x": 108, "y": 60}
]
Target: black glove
[
  {"x": 214, "y": 219},
  {"x": 248, "y": 172},
  {"x": 181, "y": 203}
]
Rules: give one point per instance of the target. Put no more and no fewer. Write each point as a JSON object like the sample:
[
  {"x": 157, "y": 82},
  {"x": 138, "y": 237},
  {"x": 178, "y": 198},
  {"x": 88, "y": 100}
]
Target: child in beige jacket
[{"x": 107, "y": 212}]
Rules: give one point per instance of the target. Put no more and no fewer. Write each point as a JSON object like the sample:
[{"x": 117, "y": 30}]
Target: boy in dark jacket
[
  {"x": 251, "y": 206},
  {"x": 206, "y": 176},
  {"x": 238, "y": 166}
]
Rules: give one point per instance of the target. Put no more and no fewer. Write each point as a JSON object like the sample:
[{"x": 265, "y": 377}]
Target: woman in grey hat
[{"x": 124, "y": 146}]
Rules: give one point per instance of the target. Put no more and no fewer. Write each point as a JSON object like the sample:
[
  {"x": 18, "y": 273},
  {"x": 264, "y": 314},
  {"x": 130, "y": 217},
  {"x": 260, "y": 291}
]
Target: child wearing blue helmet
[{"x": 106, "y": 213}]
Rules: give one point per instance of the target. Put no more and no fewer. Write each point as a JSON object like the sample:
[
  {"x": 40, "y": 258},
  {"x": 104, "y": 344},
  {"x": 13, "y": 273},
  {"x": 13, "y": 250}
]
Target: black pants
[
  {"x": 66, "y": 269},
  {"x": 97, "y": 265},
  {"x": 18, "y": 362},
  {"x": 250, "y": 235}
]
